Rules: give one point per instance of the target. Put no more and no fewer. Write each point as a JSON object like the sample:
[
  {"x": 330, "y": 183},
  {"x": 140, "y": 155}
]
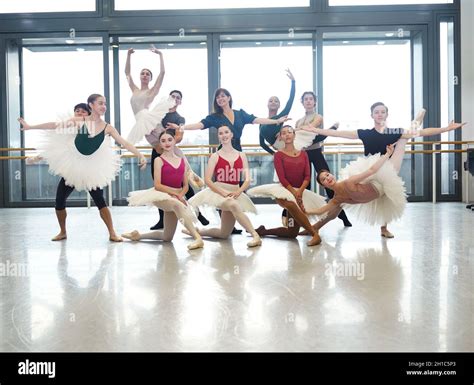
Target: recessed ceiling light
[
  {"x": 389, "y": 34},
  {"x": 381, "y": 42}
]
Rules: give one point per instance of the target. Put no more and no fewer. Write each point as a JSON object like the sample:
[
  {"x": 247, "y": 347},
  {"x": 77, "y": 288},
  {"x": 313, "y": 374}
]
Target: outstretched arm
[
  {"x": 192, "y": 126},
  {"x": 323, "y": 209},
  {"x": 159, "y": 80},
  {"x": 435, "y": 131},
  {"x": 332, "y": 132},
  {"x": 281, "y": 120},
  {"x": 71, "y": 123},
  {"x": 374, "y": 168},
  {"x": 112, "y": 131},
  {"x": 131, "y": 84}
]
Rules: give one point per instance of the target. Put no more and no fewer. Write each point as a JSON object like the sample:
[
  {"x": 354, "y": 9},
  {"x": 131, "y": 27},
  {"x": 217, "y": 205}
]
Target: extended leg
[
  {"x": 282, "y": 232},
  {"x": 227, "y": 224},
  {"x": 166, "y": 235}
]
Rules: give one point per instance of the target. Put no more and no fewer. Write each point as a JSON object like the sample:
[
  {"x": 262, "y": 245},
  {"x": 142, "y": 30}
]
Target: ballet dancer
[
  {"x": 376, "y": 140},
  {"x": 79, "y": 152},
  {"x": 370, "y": 186},
  {"x": 143, "y": 96},
  {"x": 170, "y": 187},
  {"x": 293, "y": 170},
  {"x": 224, "y": 115},
  {"x": 312, "y": 144},
  {"x": 229, "y": 167},
  {"x": 269, "y": 132}
]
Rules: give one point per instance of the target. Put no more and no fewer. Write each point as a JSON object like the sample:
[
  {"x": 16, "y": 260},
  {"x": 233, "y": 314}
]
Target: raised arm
[
  {"x": 291, "y": 98},
  {"x": 434, "y": 131},
  {"x": 159, "y": 80},
  {"x": 110, "y": 130},
  {"x": 131, "y": 84},
  {"x": 374, "y": 168},
  {"x": 281, "y": 120},
  {"x": 332, "y": 132}
]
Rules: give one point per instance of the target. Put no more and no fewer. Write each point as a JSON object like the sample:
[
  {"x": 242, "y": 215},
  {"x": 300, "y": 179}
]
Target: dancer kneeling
[
  {"x": 371, "y": 188},
  {"x": 293, "y": 170},
  {"x": 168, "y": 195},
  {"x": 227, "y": 166}
]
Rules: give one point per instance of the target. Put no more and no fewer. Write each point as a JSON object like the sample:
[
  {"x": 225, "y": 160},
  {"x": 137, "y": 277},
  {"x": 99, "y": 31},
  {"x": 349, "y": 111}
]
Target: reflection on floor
[{"x": 355, "y": 292}]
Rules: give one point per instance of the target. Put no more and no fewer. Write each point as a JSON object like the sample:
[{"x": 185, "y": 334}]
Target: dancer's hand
[
  {"x": 289, "y": 74},
  {"x": 283, "y": 119},
  {"x": 180, "y": 198},
  {"x": 24, "y": 126},
  {"x": 235, "y": 194},
  {"x": 311, "y": 129},
  {"x": 390, "y": 148},
  {"x": 453, "y": 125},
  {"x": 155, "y": 50},
  {"x": 142, "y": 162},
  {"x": 299, "y": 201},
  {"x": 173, "y": 126},
  {"x": 130, "y": 51}
]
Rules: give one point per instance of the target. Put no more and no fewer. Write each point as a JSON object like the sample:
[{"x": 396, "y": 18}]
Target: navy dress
[{"x": 376, "y": 142}]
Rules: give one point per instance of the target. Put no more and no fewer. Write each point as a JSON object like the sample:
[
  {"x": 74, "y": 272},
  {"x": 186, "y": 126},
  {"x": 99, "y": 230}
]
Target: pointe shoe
[
  {"x": 195, "y": 181},
  {"x": 315, "y": 240},
  {"x": 186, "y": 231},
  {"x": 256, "y": 241},
  {"x": 133, "y": 236},
  {"x": 387, "y": 234},
  {"x": 197, "y": 244},
  {"x": 59, "y": 237}
]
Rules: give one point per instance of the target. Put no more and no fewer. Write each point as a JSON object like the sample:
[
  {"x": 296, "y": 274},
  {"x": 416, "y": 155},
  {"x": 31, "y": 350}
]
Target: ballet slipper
[
  {"x": 256, "y": 241},
  {"x": 197, "y": 244},
  {"x": 386, "y": 234},
  {"x": 59, "y": 237},
  {"x": 195, "y": 181},
  {"x": 187, "y": 232},
  {"x": 133, "y": 236},
  {"x": 315, "y": 240}
]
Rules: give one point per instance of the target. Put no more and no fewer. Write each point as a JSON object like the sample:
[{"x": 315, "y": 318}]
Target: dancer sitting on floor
[
  {"x": 168, "y": 194},
  {"x": 229, "y": 167},
  {"x": 292, "y": 167}
]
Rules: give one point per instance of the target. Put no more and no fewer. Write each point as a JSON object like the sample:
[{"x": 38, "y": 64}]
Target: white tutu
[
  {"x": 83, "y": 172},
  {"x": 147, "y": 120},
  {"x": 303, "y": 139},
  {"x": 311, "y": 200},
  {"x": 392, "y": 200},
  {"x": 207, "y": 197},
  {"x": 153, "y": 197}
]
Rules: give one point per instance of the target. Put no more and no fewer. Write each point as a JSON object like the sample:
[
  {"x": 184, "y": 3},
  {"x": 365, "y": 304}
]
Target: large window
[
  {"x": 386, "y": 2},
  {"x": 253, "y": 69},
  {"x": 58, "y": 73},
  {"x": 35, "y": 6},
  {"x": 135, "y": 5}
]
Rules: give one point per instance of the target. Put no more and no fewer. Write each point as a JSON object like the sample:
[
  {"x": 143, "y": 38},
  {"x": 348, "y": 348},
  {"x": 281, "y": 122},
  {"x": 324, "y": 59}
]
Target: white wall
[{"x": 467, "y": 79}]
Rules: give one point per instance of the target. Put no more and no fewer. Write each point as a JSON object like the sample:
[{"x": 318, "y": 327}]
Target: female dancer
[
  {"x": 376, "y": 139},
  {"x": 167, "y": 194},
  {"x": 292, "y": 167},
  {"x": 370, "y": 186},
  {"x": 228, "y": 166},
  {"x": 153, "y": 138},
  {"x": 224, "y": 115},
  {"x": 269, "y": 132},
  {"x": 314, "y": 144},
  {"x": 142, "y": 98},
  {"x": 79, "y": 153}
]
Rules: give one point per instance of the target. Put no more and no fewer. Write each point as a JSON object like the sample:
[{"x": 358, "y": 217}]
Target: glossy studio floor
[{"x": 355, "y": 292}]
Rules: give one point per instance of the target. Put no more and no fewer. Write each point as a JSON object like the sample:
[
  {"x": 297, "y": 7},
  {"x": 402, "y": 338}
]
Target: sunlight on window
[
  {"x": 386, "y": 2},
  {"x": 34, "y": 6}
]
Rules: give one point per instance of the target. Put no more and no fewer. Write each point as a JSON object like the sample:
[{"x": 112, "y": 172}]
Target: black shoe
[
  {"x": 236, "y": 231},
  {"x": 158, "y": 226},
  {"x": 203, "y": 220},
  {"x": 347, "y": 223}
]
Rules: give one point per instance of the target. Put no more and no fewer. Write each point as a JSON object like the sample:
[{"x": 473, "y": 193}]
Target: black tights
[{"x": 63, "y": 192}]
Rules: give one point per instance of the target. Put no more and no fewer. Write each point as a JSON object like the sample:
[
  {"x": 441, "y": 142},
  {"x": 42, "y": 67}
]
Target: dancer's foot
[
  {"x": 197, "y": 244},
  {"x": 315, "y": 240},
  {"x": 203, "y": 219},
  {"x": 133, "y": 236},
  {"x": 158, "y": 226},
  {"x": 256, "y": 241},
  {"x": 59, "y": 237},
  {"x": 260, "y": 230},
  {"x": 284, "y": 221},
  {"x": 186, "y": 231},
  {"x": 115, "y": 238},
  {"x": 387, "y": 234},
  {"x": 236, "y": 231}
]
